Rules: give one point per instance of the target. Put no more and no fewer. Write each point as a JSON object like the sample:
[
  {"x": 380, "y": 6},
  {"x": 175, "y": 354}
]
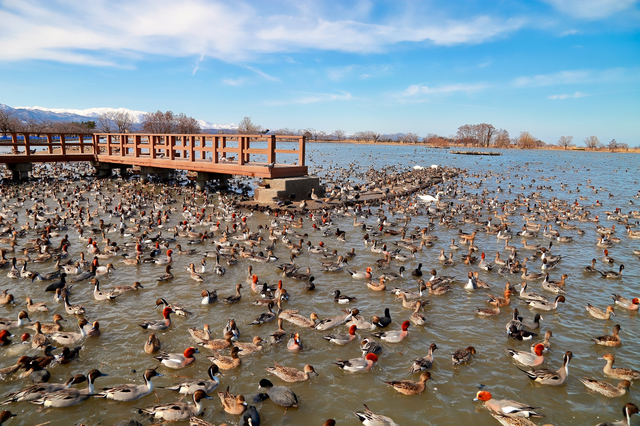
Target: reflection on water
[{"x": 452, "y": 323}]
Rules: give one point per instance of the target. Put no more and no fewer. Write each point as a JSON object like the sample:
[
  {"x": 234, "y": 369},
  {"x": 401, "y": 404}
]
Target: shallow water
[{"x": 452, "y": 323}]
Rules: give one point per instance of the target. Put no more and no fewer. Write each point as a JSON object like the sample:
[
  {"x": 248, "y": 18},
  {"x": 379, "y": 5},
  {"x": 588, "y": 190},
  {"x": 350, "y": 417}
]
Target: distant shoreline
[{"x": 457, "y": 147}]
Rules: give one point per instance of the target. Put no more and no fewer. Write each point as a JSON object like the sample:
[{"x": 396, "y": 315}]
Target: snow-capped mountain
[{"x": 61, "y": 114}]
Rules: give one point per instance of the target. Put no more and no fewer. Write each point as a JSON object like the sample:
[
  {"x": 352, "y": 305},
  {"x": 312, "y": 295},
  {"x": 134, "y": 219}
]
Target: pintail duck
[
  {"x": 208, "y": 297},
  {"x": 462, "y": 355},
  {"x": 70, "y": 396},
  {"x": 234, "y": 298},
  {"x": 620, "y": 373},
  {"x": 488, "y": 312},
  {"x": 8, "y": 323},
  {"x": 528, "y": 358},
  {"x": 36, "y": 391},
  {"x": 190, "y": 387},
  {"x": 177, "y": 360},
  {"x": 417, "y": 317},
  {"x": 599, "y": 313},
  {"x": 294, "y": 317},
  {"x": 159, "y": 325},
  {"x": 358, "y": 364},
  {"x": 232, "y": 404},
  {"x": 226, "y": 362},
  {"x": 554, "y": 286},
  {"x": 177, "y": 410},
  {"x": 6, "y": 298},
  {"x": 200, "y": 335},
  {"x": 249, "y": 348},
  {"x": 101, "y": 295},
  {"x": 231, "y": 327},
  {"x": 425, "y": 362},
  {"x": 369, "y": 346},
  {"x": 118, "y": 290},
  {"x": 628, "y": 410},
  {"x": 369, "y": 418},
  {"x": 290, "y": 374},
  {"x": 36, "y": 307},
  {"x": 177, "y": 309},
  {"x": 217, "y": 344},
  {"x": 612, "y": 274},
  {"x": 152, "y": 345},
  {"x": 506, "y": 407},
  {"x": 130, "y": 392},
  {"x": 380, "y": 286},
  {"x": 68, "y": 338},
  {"x": 331, "y": 322},
  {"x": 605, "y": 388},
  {"x": 546, "y": 306},
  {"x": 609, "y": 339},
  {"x": 167, "y": 276},
  {"x": 546, "y": 376},
  {"x": 409, "y": 387},
  {"x": 411, "y": 304},
  {"x": 48, "y": 328}
]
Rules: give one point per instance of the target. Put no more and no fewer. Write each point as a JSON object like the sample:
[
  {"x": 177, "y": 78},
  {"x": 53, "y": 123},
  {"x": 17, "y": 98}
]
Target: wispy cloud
[
  {"x": 118, "y": 31},
  {"x": 311, "y": 98},
  {"x": 197, "y": 66},
  {"x": 234, "y": 81},
  {"x": 568, "y": 96},
  {"x": 592, "y": 9},
  {"x": 263, "y": 74},
  {"x": 577, "y": 77},
  {"x": 421, "y": 89}
]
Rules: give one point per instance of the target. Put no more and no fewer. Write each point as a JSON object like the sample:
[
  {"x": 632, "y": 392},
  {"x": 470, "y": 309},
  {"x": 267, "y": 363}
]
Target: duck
[
  {"x": 217, "y": 344},
  {"x": 418, "y": 271},
  {"x": 462, "y": 355},
  {"x": 358, "y": 364},
  {"x": 36, "y": 307},
  {"x": 341, "y": 298},
  {"x": 546, "y": 376},
  {"x": 546, "y": 342},
  {"x": 512, "y": 421},
  {"x": 164, "y": 260},
  {"x": 294, "y": 342},
  {"x": 599, "y": 313},
  {"x": 609, "y": 339},
  {"x": 72, "y": 309},
  {"x": 530, "y": 297},
  {"x": 612, "y": 274},
  {"x": 226, "y": 362},
  {"x": 232, "y": 404},
  {"x": 48, "y": 328},
  {"x": 234, "y": 298},
  {"x": 177, "y": 410},
  {"x": 554, "y": 286},
  {"x": 342, "y": 339},
  {"x": 249, "y": 348},
  {"x": 411, "y": 304},
  {"x": 547, "y": 306},
  {"x": 69, "y": 396},
  {"x": 101, "y": 295},
  {"x": 6, "y": 298},
  {"x": 506, "y": 407},
  {"x": 369, "y": 346},
  {"x": 159, "y": 325},
  {"x": 177, "y": 309},
  {"x": 294, "y": 317},
  {"x": 281, "y": 395},
  {"x": 619, "y": 373},
  {"x": 417, "y": 317},
  {"x": 331, "y": 322},
  {"x": 121, "y": 289},
  {"x": 8, "y": 323},
  {"x": 290, "y": 374},
  {"x": 628, "y": 410},
  {"x": 129, "y": 392},
  {"x": 208, "y": 297},
  {"x": 167, "y": 276},
  {"x": 190, "y": 387},
  {"x": 68, "y": 338},
  {"x": 359, "y": 275},
  {"x": 36, "y": 391},
  {"x": 530, "y": 359},
  {"x": 369, "y": 418},
  {"x": 395, "y": 336},
  {"x": 591, "y": 268},
  {"x": 177, "y": 360},
  {"x": 382, "y": 321},
  {"x": 380, "y": 286},
  {"x": 152, "y": 345},
  {"x": 605, "y": 388},
  {"x": 625, "y": 303},
  {"x": 409, "y": 387},
  {"x": 425, "y": 362}
]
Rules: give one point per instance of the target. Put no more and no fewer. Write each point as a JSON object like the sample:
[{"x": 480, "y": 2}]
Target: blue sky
[{"x": 549, "y": 67}]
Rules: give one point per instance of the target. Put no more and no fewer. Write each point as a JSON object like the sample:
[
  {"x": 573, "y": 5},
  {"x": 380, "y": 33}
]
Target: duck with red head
[
  {"x": 395, "y": 336},
  {"x": 159, "y": 325},
  {"x": 506, "y": 407},
  {"x": 177, "y": 360},
  {"x": 358, "y": 364}
]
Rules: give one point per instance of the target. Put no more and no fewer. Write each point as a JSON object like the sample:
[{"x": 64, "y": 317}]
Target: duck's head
[{"x": 482, "y": 396}]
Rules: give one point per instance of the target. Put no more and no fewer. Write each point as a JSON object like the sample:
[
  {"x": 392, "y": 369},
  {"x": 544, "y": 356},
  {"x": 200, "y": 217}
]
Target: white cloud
[
  {"x": 568, "y": 96},
  {"x": 592, "y": 9},
  {"x": 263, "y": 74},
  {"x": 421, "y": 89},
  {"x": 311, "y": 98},
  {"x": 576, "y": 77},
  {"x": 234, "y": 81},
  {"x": 108, "y": 32}
]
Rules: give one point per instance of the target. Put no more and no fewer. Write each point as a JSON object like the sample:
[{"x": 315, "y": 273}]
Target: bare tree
[
  {"x": 412, "y": 137},
  {"x": 565, "y": 141},
  {"x": 339, "y": 135},
  {"x": 592, "y": 142},
  {"x": 105, "y": 122},
  {"x": 186, "y": 125},
  {"x": 613, "y": 145},
  {"x": 8, "y": 123},
  {"x": 484, "y": 133},
  {"x": 467, "y": 135},
  {"x": 526, "y": 141},
  {"x": 247, "y": 127},
  {"x": 122, "y": 120},
  {"x": 159, "y": 122},
  {"x": 501, "y": 139}
]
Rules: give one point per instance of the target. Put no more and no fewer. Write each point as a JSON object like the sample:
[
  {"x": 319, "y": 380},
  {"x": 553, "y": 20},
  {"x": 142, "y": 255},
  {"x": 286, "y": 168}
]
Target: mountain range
[{"x": 60, "y": 114}]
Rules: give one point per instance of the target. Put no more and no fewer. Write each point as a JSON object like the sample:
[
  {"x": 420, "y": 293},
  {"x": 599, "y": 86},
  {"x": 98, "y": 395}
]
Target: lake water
[{"x": 452, "y": 323}]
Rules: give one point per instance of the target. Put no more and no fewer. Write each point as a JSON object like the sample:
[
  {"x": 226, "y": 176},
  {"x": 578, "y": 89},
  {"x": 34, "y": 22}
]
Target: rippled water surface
[{"x": 336, "y": 394}]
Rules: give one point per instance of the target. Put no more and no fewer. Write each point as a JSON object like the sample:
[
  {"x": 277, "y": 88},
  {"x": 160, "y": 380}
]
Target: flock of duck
[{"x": 64, "y": 242}]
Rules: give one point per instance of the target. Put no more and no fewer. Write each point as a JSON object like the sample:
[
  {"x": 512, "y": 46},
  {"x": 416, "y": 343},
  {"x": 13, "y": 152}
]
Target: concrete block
[{"x": 284, "y": 188}]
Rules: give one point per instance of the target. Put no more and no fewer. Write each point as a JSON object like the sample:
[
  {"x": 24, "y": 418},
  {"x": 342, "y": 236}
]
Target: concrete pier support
[
  {"x": 145, "y": 171},
  {"x": 295, "y": 188},
  {"x": 203, "y": 177},
  {"x": 20, "y": 171},
  {"x": 105, "y": 170}
]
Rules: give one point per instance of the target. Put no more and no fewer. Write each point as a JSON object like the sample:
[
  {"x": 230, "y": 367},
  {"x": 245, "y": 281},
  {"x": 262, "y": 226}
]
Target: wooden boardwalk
[{"x": 248, "y": 155}]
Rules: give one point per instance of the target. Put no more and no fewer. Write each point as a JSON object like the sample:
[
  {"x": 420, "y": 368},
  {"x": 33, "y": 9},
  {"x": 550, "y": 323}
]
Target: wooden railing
[{"x": 55, "y": 143}]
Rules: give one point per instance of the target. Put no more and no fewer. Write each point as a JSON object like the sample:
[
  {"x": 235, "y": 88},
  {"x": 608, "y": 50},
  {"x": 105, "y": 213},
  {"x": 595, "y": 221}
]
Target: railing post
[
  {"x": 14, "y": 141},
  {"x": 122, "y": 141},
  {"x": 171, "y": 140},
  {"x": 192, "y": 152},
  {"x": 301, "y": 151},
  {"x": 27, "y": 151},
  {"x": 152, "y": 145},
  {"x": 223, "y": 145},
  {"x": 271, "y": 146},
  {"x": 63, "y": 147},
  {"x": 136, "y": 145},
  {"x": 81, "y": 142},
  {"x": 49, "y": 143},
  {"x": 214, "y": 143},
  {"x": 241, "y": 150}
]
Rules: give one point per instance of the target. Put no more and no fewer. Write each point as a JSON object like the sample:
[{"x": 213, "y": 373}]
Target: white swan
[{"x": 428, "y": 199}]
